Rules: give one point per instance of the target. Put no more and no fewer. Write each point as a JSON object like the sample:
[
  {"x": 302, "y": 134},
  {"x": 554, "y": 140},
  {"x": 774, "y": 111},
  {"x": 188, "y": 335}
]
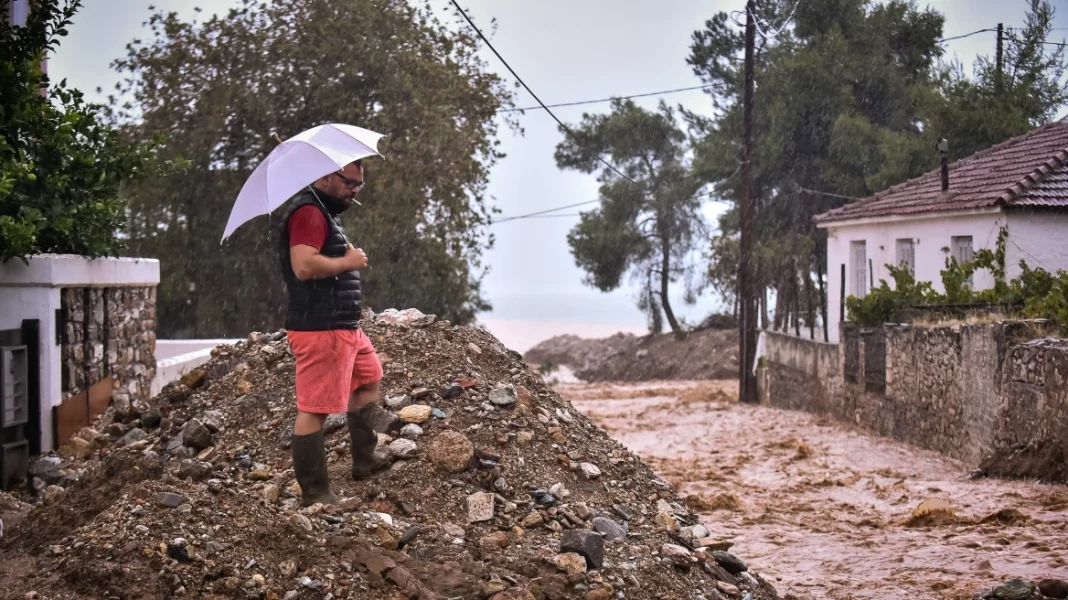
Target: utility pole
[
  {"x": 747, "y": 391},
  {"x": 999, "y": 76}
]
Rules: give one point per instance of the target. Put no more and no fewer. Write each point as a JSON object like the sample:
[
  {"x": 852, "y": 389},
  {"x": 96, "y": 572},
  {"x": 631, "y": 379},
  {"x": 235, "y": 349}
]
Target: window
[
  {"x": 859, "y": 252},
  {"x": 962, "y": 251},
  {"x": 906, "y": 254},
  {"x": 13, "y": 391}
]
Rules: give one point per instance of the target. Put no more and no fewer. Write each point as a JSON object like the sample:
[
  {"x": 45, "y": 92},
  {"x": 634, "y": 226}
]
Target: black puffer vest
[{"x": 320, "y": 304}]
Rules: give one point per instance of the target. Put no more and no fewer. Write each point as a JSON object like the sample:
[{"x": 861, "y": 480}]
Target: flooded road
[{"x": 826, "y": 511}]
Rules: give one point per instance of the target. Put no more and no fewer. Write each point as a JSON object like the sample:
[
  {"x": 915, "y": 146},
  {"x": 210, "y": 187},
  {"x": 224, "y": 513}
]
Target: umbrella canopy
[{"x": 297, "y": 163}]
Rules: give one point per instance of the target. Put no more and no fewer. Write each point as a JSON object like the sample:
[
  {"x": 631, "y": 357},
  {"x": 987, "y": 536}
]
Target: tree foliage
[
  {"x": 648, "y": 222},
  {"x": 851, "y": 97},
  {"x": 219, "y": 88},
  {"x": 61, "y": 165}
]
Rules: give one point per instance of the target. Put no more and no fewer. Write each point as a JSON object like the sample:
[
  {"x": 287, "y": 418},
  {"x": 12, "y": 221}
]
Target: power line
[
  {"x": 819, "y": 193},
  {"x": 567, "y": 206},
  {"x": 960, "y": 37},
  {"x": 543, "y": 212},
  {"x": 552, "y": 216},
  {"x": 530, "y": 91},
  {"x": 581, "y": 102}
]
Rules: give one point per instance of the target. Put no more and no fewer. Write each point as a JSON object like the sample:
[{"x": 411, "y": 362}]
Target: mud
[{"x": 826, "y": 511}]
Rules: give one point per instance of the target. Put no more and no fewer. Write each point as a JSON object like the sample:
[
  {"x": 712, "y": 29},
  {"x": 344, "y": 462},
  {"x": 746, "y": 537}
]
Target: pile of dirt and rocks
[
  {"x": 499, "y": 489},
  {"x": 705, "y": 354}
]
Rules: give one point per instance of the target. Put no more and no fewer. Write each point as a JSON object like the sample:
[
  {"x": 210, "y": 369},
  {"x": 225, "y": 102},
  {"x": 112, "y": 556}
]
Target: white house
[{"x": 1021, "y": 184}]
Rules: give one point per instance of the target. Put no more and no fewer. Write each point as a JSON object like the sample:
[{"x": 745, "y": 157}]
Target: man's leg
[
  {"x": 364, "y": 395},
  {"x": 308, "y": 423},
  {"x": 319, "y": 392},
  {"x": 364, "y": 412},
  {"x": 363, "y": 438}
]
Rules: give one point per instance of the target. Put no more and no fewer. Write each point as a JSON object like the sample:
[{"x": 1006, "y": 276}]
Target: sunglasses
[{"x": 353, "y": 184}]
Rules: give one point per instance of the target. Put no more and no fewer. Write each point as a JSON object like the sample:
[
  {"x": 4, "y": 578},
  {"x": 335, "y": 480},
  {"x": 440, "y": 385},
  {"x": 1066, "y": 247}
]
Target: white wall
[
  {"x": 166, "y": 349},
  {"x": 22, "y": 303},
  {"x": 930, "y": 232},
  {"x": 175, "y": 358},
  {"x": 1040, "y": 238},
  {"x": 32, "y": 292}
]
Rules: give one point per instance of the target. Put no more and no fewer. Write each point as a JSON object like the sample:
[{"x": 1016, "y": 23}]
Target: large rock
[
  {"x": 195, "y": 470},
  {"x": 212, "y": 419},
  {"x": 503, "y": 396},
  {"x": 169, "y": 500},
  {"x": 403, "y": 449},
  {"x": 48, "y": 469},
  {"x": 151, "y": 418},
  {"x": 611, "y": 530},
  {"x": 416, "y": 413},
  {"x": 1053, "y": 588},
  {"x": 679, "y": 556},
  {"x": 588, "y": 471},
  {"x": 1014, "y": 589},
  {"x": 451, "y": 451},
  {"x": 335, "y": 422},
  {"x": 136, "y": 435},
  {"x": 411, "y": 431},
  {"x": 588, "y": 544},
  {"x": 732, "y": 563},
  {"x": 76, "y": 448},
  {"x": 571, "y": 563},
  {"x": 196, "y": 435},
  {"x": 479, "y": 507}
]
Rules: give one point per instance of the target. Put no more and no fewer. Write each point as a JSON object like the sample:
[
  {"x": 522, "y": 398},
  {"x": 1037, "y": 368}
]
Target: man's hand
[{"x": 355, "y": 259}]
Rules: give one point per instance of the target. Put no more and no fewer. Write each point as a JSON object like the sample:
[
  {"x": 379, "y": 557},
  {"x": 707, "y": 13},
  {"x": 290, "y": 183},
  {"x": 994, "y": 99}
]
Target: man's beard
[{"x": 336, "y": 206}]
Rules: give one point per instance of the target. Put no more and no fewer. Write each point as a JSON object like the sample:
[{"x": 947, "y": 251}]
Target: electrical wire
[
  {"x": 581, "y": 102},
  {"x": 966, "y": 35},
  {"x": 543, "y": 212},
  {"x": 819, "y": 193},
  {"x": 562, "y": 125},
  {"x": 565, "y": 207}
]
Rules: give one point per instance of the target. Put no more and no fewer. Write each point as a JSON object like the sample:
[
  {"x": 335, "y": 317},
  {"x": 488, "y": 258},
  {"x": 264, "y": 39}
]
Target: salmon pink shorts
[{"x": 330, "y": 366}]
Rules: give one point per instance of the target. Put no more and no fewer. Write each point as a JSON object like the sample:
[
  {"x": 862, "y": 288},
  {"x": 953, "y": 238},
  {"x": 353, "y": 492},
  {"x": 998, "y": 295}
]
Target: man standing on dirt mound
[{"x": 337, "y": 368}]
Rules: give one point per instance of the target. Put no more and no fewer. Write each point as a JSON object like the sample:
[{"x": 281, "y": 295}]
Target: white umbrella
[{"x": 297, "y": 163}]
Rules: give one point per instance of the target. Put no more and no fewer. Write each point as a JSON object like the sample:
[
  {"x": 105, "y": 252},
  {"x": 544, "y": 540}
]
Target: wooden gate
[{"x": 20, "y": 401}]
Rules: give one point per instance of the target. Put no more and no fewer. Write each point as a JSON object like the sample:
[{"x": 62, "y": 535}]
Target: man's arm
[{"x": 309, "y": 264}]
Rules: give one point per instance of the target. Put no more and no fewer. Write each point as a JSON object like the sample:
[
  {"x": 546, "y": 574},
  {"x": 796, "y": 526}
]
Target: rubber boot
[
  {"x": 363, "y": 440},
  {"x": 309, "y": 464}
]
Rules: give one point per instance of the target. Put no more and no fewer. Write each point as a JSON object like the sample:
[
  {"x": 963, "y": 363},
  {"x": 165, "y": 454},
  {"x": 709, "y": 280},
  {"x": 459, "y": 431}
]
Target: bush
[{"x": 61, "y": 167}]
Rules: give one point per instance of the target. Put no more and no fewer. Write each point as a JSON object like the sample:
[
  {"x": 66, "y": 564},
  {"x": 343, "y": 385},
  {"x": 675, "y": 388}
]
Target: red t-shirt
[{"x": 307, "y": 227}]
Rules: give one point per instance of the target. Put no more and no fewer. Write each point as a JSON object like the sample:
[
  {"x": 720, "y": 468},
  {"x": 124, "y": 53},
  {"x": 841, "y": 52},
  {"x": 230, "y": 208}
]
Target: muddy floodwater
[{"x": 823, "y": 510}]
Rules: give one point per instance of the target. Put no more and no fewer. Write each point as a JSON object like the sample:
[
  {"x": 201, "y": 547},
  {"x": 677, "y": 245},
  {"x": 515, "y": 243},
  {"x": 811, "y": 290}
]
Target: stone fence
[
  {"x": 75, "y": 334},
  {"x": 971, "y": 392}
]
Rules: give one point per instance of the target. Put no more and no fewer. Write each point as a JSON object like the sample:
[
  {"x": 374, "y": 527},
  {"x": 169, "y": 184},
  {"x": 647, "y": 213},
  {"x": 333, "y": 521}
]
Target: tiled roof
[{"x": 1027, "y": 171}]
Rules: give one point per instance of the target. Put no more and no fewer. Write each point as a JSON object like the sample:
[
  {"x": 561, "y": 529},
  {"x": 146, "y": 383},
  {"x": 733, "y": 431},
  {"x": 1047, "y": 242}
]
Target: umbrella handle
[{"x": 277, "y": 140}]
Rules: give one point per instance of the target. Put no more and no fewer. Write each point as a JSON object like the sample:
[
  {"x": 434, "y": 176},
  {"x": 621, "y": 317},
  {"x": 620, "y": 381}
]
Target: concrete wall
[
  {"x": 965, "y": 391},
  {"x": 33, "y": 291}
]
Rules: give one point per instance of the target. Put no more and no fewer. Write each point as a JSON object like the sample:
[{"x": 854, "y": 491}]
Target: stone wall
[
  {"x": 806, "y": 374},
  {"x": 109, "y": 332},
  {"x": 966, "y": 391}
]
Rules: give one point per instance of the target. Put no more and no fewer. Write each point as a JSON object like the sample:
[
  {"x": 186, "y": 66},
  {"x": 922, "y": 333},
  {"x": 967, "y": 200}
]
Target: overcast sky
[{"x": 566, "y": 50}]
